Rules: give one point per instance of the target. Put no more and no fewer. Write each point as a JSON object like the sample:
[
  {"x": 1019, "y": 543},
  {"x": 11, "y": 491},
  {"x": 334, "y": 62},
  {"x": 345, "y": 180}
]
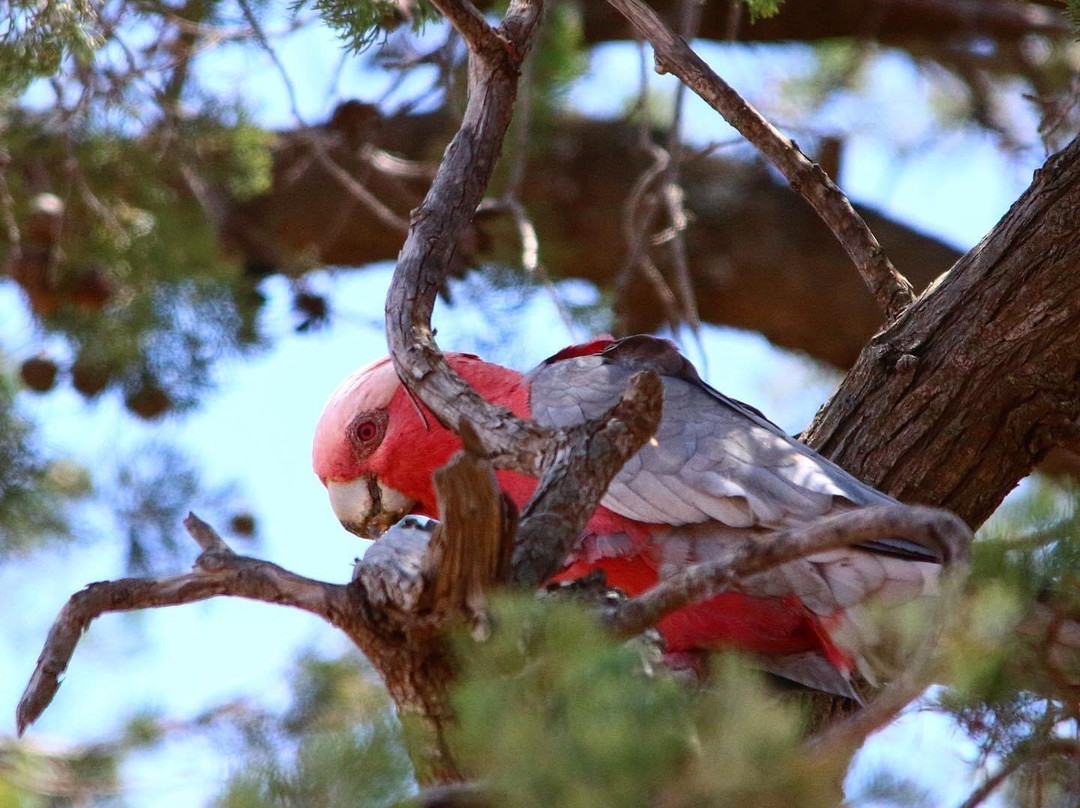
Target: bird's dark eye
[{"x": 367, "y": 431}]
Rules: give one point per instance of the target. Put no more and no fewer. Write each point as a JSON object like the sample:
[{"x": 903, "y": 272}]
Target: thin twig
[
  {"x": 672, "y": 192},
  {"x": 1055, "y": 747},
  {"x": 673, "y": 55},
  {"x": 322, "y": 156},
  {"x": 530, "y": 252},
  {"x": 639, "y": 212},
  {"x": 205, "y": 536},
  {"x": 355, "y": 188},
  {"x": 218, "y": 571},
  {"x": 927, "y": 526},
  {"x": 511, "y": 202}
]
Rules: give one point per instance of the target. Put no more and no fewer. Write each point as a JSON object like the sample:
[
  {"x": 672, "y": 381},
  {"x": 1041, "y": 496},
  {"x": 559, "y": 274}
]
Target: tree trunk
[{"x": 959, "y": 399}]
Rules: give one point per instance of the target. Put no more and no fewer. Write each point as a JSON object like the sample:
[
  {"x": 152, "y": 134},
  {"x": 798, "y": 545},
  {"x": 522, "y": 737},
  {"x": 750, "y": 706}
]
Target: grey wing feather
[{"x": 712, "y": 459}]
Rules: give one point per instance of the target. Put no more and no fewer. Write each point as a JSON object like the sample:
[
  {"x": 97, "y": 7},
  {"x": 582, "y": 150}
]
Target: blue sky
[{"x": 256, "y": 428}]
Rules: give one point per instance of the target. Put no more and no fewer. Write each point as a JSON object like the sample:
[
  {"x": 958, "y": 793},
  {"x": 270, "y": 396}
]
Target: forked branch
[
  {"x": 574, "y": 466},
  {"x": 807, "y": 178},
  {"x": 218, "y": 571},
  {"x": 400, "y": 590}
]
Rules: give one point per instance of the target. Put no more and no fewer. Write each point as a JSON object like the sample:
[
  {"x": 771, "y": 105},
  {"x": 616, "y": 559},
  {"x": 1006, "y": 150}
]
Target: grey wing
[{"x": 712, "y": 458}]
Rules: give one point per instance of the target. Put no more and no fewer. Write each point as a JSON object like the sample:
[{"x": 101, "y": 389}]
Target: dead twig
[
  {"x": 322, "y": 156},
  {"x": 1058, "y": 747},
  {"x": 673, "y": 55},
  {"x": 928, "y": 526},
  {"x": 218, "y": 571}
]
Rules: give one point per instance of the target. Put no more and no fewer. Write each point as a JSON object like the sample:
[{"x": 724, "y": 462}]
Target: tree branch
[
  {"x": 436, "y": 228},
  {"x": 928, "y": 526},
  {"x": 574, "y": 466},
  {"x": 407, "y": 590},
  {"x": 808, "y": 179},
  {"x": 1059, "y": 747},
  {"x": 218, "y": 571},
  {"x": 579, "y": 474},
  {"x": 470, "y": 23},
  {"x": 957, "y": 401}
]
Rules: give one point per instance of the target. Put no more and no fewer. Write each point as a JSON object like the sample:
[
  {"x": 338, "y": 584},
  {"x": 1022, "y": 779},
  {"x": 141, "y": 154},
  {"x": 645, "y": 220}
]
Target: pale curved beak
[{"x": 365, "y": 506}]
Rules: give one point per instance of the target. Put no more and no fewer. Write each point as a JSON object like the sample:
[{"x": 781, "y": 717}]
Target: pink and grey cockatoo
[{"x": 717, "y": 471}]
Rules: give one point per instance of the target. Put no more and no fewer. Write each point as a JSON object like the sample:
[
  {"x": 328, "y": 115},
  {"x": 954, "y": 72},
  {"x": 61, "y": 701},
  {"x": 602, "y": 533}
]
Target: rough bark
[{"x": 955, "y": 402}]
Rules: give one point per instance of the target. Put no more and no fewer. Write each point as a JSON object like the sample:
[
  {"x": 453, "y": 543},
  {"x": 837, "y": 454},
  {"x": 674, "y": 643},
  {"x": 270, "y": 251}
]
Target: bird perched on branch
[{"x": 717, "y": 471}]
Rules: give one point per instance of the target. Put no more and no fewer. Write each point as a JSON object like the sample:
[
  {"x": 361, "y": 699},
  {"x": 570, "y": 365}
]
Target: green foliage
[
  {"x": 34, "y": 492},
  {"x": 1072, "y": 13},
  {"x": 1012, "y": 677},
  {"x": 558, "y": 59},
  {"x": 361, "y": 23},
  {"x": 836, "y": 65},
  {"x": 247, "y": 164},
  {"x": 33, "y": 778},
  {"x": 553, "y": 712},
  {"x": 137, "y": 282},
  {"x": 332, "y": 695},
  {"x": 365, "y": 767},
  {"x": 885, "y": 788},
  {"x": 36, "y": 36},
  {"x": 350, "y": 750},
  {"x": 762, "y": 9}
]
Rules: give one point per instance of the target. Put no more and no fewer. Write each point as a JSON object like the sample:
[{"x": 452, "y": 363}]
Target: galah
[{"x": 717, "y": 471}]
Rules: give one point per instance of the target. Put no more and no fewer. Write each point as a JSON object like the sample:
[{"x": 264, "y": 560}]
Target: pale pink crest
[{"x": 370, "y": 388}]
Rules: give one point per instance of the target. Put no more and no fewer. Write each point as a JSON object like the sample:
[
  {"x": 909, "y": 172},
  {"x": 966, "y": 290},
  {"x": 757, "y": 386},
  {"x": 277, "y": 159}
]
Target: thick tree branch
[
  {"x": 954, "y": 403},
  {"x": 437, "y": 227},
  {"x": 927, "y": 526},
  {"x": 580, "y": 176},
  {"x": 396, "y": 609},
  {"x": 808, "y": 179},
  {"x": 922, "y": 24},
  {"x": 578, "y": 477}
]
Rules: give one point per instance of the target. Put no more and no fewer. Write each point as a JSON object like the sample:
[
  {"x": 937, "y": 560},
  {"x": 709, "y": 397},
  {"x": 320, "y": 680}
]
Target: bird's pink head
[{"x": 376, "y": 447}]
